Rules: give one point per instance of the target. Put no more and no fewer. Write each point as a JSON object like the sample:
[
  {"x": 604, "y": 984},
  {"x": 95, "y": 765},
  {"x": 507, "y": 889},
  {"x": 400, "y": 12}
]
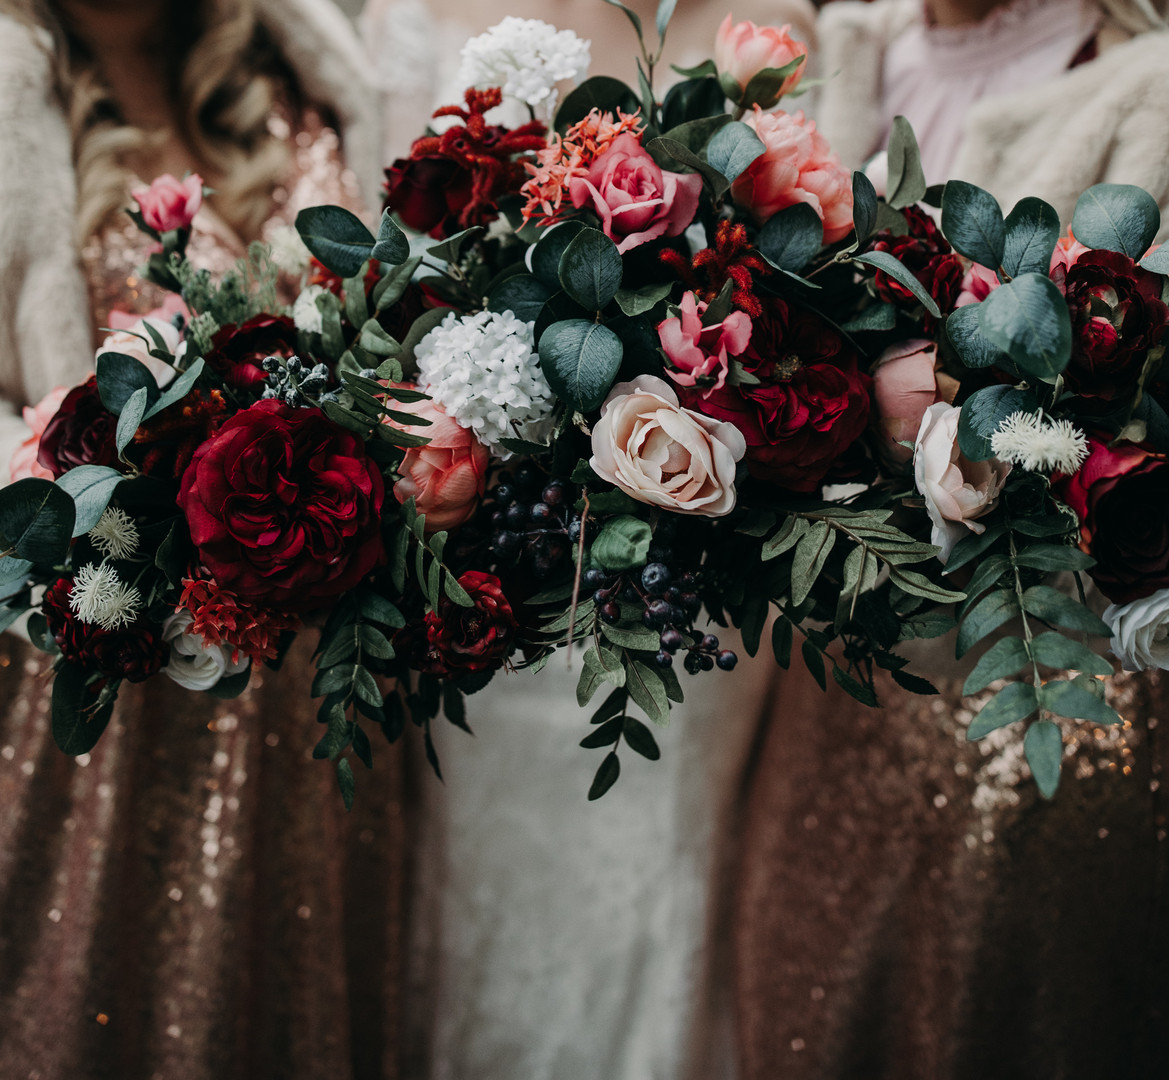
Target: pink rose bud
[
  {"x": 169, "y": 203},
  {"x": 906, "y": 382},
  {"x": 977, "y": 284},
  {"x": 702, "y": 352},
  {"x": 24, "y": 459},
  {"x": 742, "y": 50},
  {"x": 797, "y": 165},
  {"x": 446, "y": 477},
  {"x": 1067, "y": 252}
]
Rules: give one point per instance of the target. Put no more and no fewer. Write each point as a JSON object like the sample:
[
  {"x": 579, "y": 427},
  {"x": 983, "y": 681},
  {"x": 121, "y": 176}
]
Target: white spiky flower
[
  {"x": 100, "y": 597},
  {"x": 288, "y": 250},
  {"x": 115, "y": 534},
  {"x": 1039, "y": 445},
  {"x": 526, "y": 58}
]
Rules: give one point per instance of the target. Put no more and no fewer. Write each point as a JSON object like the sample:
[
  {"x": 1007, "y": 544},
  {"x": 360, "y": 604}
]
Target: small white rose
[
  {"x": 1140, "y": 632},
  {"x": 137, "y": 342},
  {"x": 194, "y": 663}
]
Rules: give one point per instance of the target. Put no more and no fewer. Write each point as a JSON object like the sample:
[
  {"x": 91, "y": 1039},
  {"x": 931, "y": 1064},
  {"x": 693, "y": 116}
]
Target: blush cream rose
[
  {"x": 742, "y": 50},
  {"x": 1140, "y": 631},
  {"x": 659, "y": 453}
]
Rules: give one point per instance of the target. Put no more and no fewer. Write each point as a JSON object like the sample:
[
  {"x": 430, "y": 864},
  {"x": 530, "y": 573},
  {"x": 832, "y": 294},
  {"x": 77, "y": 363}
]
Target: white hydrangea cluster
[
  {"x": 1039, "y": 445},
  {"x": 101, "y": 598},
  {"x": 526, "y": 58},
  {"x": 484, "y": 372},
  {"x": 305, "y": 313}
]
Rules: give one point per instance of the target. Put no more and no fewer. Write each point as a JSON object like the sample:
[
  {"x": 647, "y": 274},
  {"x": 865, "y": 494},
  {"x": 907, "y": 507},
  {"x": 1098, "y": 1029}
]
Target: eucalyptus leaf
[
  {"x": 590, "y": 269},
  {"x": 91, "y": 487},
  {"x": 1028, "y": 319},
  {"x": 1157, "y": 260},
  {"x": 622, "y": 544},
  {"x": 733, "y": 148},
  {"x": 1117, "y": 217},
  {"x": 119, "y": 376},
  {"x": 523, "y": 294},
  {"x": 77, "y": 720},
  {"x": 972, "y": 221},
  {"x": 905, "y": 183},
  {"x": 178, "y": 389},
  {"x": 391, "y": 245},
  {"x": 634, "y": 302},
  {"x": 36, "y": 520},
  {"x": 600, "y": 92},
  {"x": 130, "y": 418},
  {"x": 790, "y": 239},
  {"x": 1032, "y": 233},
  {"x": 983, "y": 412},
  {"x": 864, "y": 206},
  {"x": 974, "y": 349},
  {"x": 580, "y": 360},
  {"x": 900, "y": 273},
  {"x": 765, "y": 87},
  {"x": 338, "y": 238},
  {"x": 547, "y": 251},
  {"x": 450, "y": 249}
]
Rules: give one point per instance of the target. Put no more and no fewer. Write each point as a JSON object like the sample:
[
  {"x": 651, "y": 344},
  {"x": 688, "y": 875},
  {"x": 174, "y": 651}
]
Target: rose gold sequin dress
[{"x": 190, "y": 901}]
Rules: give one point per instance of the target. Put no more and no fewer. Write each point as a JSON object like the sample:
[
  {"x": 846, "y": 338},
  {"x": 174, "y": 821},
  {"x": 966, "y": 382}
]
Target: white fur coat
[
  {"x": 45, "y": 323},
  {"x": 1104, "y": 121}
]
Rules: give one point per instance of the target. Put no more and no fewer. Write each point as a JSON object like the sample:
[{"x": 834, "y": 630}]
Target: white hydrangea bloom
[
  {"x": 99, "y": 596},
  {"x": 484, "y": 372},
  {"x": 1140, "y": 631},
  {"x": 288, "y": 250},
  {"x": 526, "y": 58},
  {"x": 305, "y": 313},
  {"x": 115, "y": 534},
  {"x": 1039, "y": 445},
  {"x": 195, "y": 663}
]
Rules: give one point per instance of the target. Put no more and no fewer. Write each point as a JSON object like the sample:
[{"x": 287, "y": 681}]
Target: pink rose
[
  {"x": 1067, "y": 252},
  {"x": 906, "y": 382},
  {"x": 659, "y": 453},
  {"x": 635, "y": 200},
  {"x": 702, "y": 352},
  {"x": 742, "y": 50},
  {"x": 445, "y": 477},
  {"x": 956, "y": 490},
  {"x": 169, "y": 203},
  {"x": 977, "y": 284},
  {"x": 24, "y": 460},
  {"x": 797, "y": 165}
]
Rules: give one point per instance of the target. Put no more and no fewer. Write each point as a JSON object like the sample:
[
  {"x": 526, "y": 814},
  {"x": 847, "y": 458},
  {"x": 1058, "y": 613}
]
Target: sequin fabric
[{"x": 190, "y": 901}]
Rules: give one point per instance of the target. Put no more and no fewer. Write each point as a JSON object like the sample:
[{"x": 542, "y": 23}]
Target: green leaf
[
  {"x": 763, "y": 88},
  {"x": 1076, "y": 703},
  {"x": 987, "y": 615},
  {"x": 77, "y": 720},
  {"x": 580, "y": 359},
  {"x": 634, "y": 302},
  {"x": 1053, "y": 650},
  {"x": 1043, "y": 745},
  {"x": 984, "y": 411},
  {"x": 647, "y": 691},
  {"x": 781, "y": 642},
  {"x": 905, "y": 184},
  {"x": 631, "y": 637},
  {"x": 864, "y": 206},
  {"x": 1028, "y": 319},
  {"x": 366, "y": 686},
  {"x": 36, "y": 520},
  {"x": 1006, "y": 657},
  {"x": 606, "y": 735},
  {"x": 613, "y": 705},
  {"x": 1014, "y": 702},
  {"x": 787, "y": 536},
  {"x": 336, "y": 237},
  {"x": 376, "y": 644},
  {"x": 1054, "y": 557},
  {"x": 590, "y": 269},
  {"x": 683, "y": 155},
  {"x": 900, "y": 273},
  {"x": 392, "y": 286},
  {"x": 91, "y": 487},
  {"x": 972, "y": 221},
  {"x": 523, "y": 294},
  {"x": 853, "y": 688},
  {"x": 610, "y": 768},
  {"x": 336, "y": 736},
  {"x": 391, "y": 246},
  {"x": 810, "y": 556},
  {"x": 733, "y": 148},
  {"x": 1117, "y": 217},
  {"x": 640, "y": 739},
  {"x": 919, "y": 585},
  {"x": 130, "y": 418},
  {"x": 178, "y": 389},
  {"x": 699, "y": 71},
  {"x": 915, "y": 684},
  {"x": 665, "y": 13},
  {"x": 1052, "y": 606},
  {"x": 874, "y": 317},
  {"x": 622, "y": 544},
  {"x": 974, "y": 349},
  {"x": 970, "y": 547},
  {"x": 986, "y": 575},
  {"x": 1032, "y": 232},
  {"x": 550, "y": 248},
  {"x": 450, "y": 249},
  {"x": 1157, "y": 261},
  {"x": 345, "y": 782},
  {"x": 814, "y": 662},
  {"x": 790, "y": 239},
  {"x": 599, "y": 92},
  {"x": 119, "y": 376}
]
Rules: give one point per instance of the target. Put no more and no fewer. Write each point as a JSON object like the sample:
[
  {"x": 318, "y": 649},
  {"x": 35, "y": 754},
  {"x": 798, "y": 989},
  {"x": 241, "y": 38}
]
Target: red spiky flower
[{"x": 731, "y": 259}]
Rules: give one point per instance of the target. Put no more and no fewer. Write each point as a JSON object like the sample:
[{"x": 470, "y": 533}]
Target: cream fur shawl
[
  {"x": 45, "y": 324},
  {"x": 1105, "y": 121}
]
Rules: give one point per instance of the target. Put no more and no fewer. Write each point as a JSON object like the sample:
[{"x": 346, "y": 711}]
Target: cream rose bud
[
  {"x": 194, "y": 663},
  {"x": 957, "y": 491},
  {"x": 659, "y": 453},
  {"x": 1140, "y": 631},
  {"x": 136, "y": 341}
]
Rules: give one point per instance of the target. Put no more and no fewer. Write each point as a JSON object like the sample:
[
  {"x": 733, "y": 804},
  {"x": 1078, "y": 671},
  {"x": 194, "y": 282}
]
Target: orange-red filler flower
[{"x": 220, "y": 618}]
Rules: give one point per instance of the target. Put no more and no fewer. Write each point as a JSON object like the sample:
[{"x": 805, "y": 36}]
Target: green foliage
[
  {"x": 590, "y": 269},
  {"x": 599, "y": 92},
  {"x": 733, "y": 148},
  {"x": 984, "y": 411},
  {"x": 1028, "y": 319},
  {"x": 905, "y": 183},
  {"x": 580, "y": 359},
  {"x": 1032, "y": 230},
  {"x": 900, "y": 273},
  {"x": 974, "y": 349},
  {"x": 973, "y": 223},
  {"x": 79, "y": 713},
  {"x": 1117, "y": 217},
  {"x": 790, "y": 239},
  {"x": 391, "y": 245},
  {"x": 91, "y": 487},
  {"x": 336, "y": 237},
  {"x": 36, "y": 520},
  {"x": 864, "y": 206},
  {"x": 622, "y": 544}
]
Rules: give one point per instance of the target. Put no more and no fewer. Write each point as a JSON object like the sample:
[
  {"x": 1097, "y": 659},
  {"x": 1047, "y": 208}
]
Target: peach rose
[
  {"x": 742, "y": 50},
  {"x": 797, "y": 165},
  {"x": 168, "y": 203},
  {"x": 698, "y": 351},
  {"x": 906, "y": 382},
  {"x": 659, "y": 453},
  {"x": 24, "y": 459},
  {"x": 446, "y": 477},
  {"x": 136, "y": 341},
  {"x": 957, "y": 491},
  {"x": 635, "y": 199},
  {"x": 1067, "y": 252}
]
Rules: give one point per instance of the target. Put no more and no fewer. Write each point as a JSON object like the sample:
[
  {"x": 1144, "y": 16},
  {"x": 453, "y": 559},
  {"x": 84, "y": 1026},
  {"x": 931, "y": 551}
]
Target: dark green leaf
[
  {"x": 919, "y": 585},
  {"x": 1043, "y": 745},
  {"x": 1053, "y": 650},
  {"x": 1076, "y": 703},
  {"x": 874, "y": 317},
  {"x": 1157, "y": 260},
  {"x": 864, "y": 206},
  {"x": 635, "y": 302},
  {"x": 1006, "y": 657},
  {"x": 599, "y": 92},
  {"x": 36, "y": 520},
  {"x": 550, "y": 248},
  {"x": 974, "y": 349},
  {"x": 986, "y": 616},
  {"x": 905, "y": 184},
  {"x": 77, "y": 719},
  {"x": 590, "y": 269},
  {"x": 781, "y": 642},
  {"x": 336, "y": 237},
  {"x": 733, "y": 148},
  {"x": 853, "y": 688},
  {"x": 1117, "y": 217},
  {"x": 970, "y": 547},
  {"x": 647, "y": 691},
  {"x": 622, "y": 544},
  {"x": 1032, "y": 232},
  {"x": 91, "y": 487},
  {"x": 522, "y": 294},
  {"x": 810, "y": 556},
  {"x": 391, "y": 246},
  {"x": 1028, "y": 319},
  {"x": 1052, "y": 606},
  {"x": 814, "y": 661},
  {"x": 763, "y": 88},
  {"x": 1054, "y": 557},
  {"x": 897, "y": 270},
  {"x": 345, "y": 782},
  {"x": 613, "y": 705},
  {"x": 640, "y": 739},
  {"x": 972, "y": 221},
  {"x": 984, "y": 411},
  {"x": 606, "y": 735},
  {"x": 1014, "y": 702},
  {"x": 130, "y": 418},
  {"x": 699, "y": 71},
  {"x": 606, "y": 776},
  {"x": 683, "y": 155},
  {"x": 119, "y": 376},
  {"x": 915, "y": 684},
  {"x": 451, "y": 248},
  {"x": 580, "y": 359},
  {"x": 790, "y": 239}
]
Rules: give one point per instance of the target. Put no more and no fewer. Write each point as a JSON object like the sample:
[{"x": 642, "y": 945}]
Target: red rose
[
  {"x": 1117, "y": 317},
  {"x": 927, "y": 255},
  {"x": 462, "y": 640},
  {"x": 1121, "y": 496},
  {"x": 237, "y": 351},
  {"x": 284, "y": 507},
  {"x": 810, "y": 404},
  {"x": 81, "y": 433},
  {"x": 429, "y": 194}
]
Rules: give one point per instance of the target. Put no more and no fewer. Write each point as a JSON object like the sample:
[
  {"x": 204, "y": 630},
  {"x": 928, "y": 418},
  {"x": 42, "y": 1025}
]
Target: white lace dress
[{"x": 553, "y": 938}]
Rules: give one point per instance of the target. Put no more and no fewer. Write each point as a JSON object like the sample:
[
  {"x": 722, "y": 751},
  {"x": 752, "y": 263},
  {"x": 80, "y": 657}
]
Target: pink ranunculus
[
  {"x": 702, "y": 352},
  {"x": 742, "y": 50},
  {"x": 956, "y": 490},
  {"x": 168, "y": 203},
  {"x": 445, "y": 477},
  {"x": 977, "y": 284},
  {"x": 24, "y": 460},
  {"x": 635, "y": 199},
  {"x": 1067, "y": 252},
  {"x": 906, "y": 382},
  {"x": 797, "y": 165}
]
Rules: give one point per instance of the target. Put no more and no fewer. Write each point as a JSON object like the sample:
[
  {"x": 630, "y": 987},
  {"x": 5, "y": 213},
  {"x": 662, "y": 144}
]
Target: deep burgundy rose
[
  {"x": 284, "y": 507},
  {"x": 1117, "y": 316},
  {"x": 1121, "y": 496},
  {"x": 928, "y": 256},
  {"x": 465, "y": 640},
  {"x": 133, "y": 654},
  {"x": 429, "y": 194},
  {"x": 810, "y": 404},
  {"x": 81, "y": 433},
  {"x": 237, "y": 351}
]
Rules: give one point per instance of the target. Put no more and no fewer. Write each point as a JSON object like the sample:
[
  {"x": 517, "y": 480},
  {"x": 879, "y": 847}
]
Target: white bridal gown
[{"x": 553, "y": 938}]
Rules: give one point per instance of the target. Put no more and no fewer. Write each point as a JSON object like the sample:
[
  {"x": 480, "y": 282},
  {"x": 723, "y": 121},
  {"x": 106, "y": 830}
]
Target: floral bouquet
[{"x": 646, "y": 366}]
